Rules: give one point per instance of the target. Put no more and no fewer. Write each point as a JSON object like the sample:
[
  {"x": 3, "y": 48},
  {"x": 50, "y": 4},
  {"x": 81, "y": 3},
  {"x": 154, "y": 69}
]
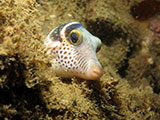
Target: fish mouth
[{"x": 95, "y": 72}]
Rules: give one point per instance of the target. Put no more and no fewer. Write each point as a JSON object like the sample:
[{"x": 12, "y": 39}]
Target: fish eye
[{"x": 75, "y": 37}]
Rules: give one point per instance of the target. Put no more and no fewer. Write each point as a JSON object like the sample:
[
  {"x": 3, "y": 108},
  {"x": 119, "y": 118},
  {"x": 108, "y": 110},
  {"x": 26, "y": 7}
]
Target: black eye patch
[
  {"x": 72, "y": 27},
  {"x": 56, "y": 33}
]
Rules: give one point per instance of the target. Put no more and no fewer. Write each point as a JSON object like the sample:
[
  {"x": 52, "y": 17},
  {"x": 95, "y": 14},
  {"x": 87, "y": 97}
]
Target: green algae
[{"x": 29, "y": 88}]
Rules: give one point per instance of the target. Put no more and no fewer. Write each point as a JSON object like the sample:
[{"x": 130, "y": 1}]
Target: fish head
[{"x": 75, "y": 50}]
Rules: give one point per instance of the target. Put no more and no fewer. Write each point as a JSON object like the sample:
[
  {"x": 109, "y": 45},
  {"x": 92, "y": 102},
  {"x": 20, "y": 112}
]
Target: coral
[
  {"x": 145, "y": 9},
  {"x": 137, "y": 103},
  {"x": 153, "y": 39},
  {"x": 21, "y": 51},
  {"x": 146, "y": 60}
]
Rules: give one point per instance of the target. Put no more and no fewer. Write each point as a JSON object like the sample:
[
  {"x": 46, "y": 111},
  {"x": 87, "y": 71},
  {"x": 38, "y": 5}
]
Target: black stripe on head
[
  {"x": 56, "y": 33},
  {"x": 72, "y": 27}
]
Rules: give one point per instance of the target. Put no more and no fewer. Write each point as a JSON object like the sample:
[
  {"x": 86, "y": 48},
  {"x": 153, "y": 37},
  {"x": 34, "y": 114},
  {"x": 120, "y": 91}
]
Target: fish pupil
[{"x": 74, "y": 37}]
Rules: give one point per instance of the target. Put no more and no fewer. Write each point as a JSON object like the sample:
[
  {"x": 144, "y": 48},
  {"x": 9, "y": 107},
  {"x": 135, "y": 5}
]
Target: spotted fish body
[{"x": 75, "y": 50}]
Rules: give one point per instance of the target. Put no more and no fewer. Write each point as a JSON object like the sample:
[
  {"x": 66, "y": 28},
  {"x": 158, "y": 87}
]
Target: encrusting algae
[{"x": 29, "y": 88}]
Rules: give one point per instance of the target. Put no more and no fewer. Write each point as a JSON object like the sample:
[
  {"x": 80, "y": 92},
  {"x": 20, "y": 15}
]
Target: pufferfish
[{"x": 75, "y": 50}]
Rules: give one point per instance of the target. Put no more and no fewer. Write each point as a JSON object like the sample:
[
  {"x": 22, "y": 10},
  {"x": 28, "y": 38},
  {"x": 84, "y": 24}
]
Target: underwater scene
[{"x": 79, "y": 59}]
